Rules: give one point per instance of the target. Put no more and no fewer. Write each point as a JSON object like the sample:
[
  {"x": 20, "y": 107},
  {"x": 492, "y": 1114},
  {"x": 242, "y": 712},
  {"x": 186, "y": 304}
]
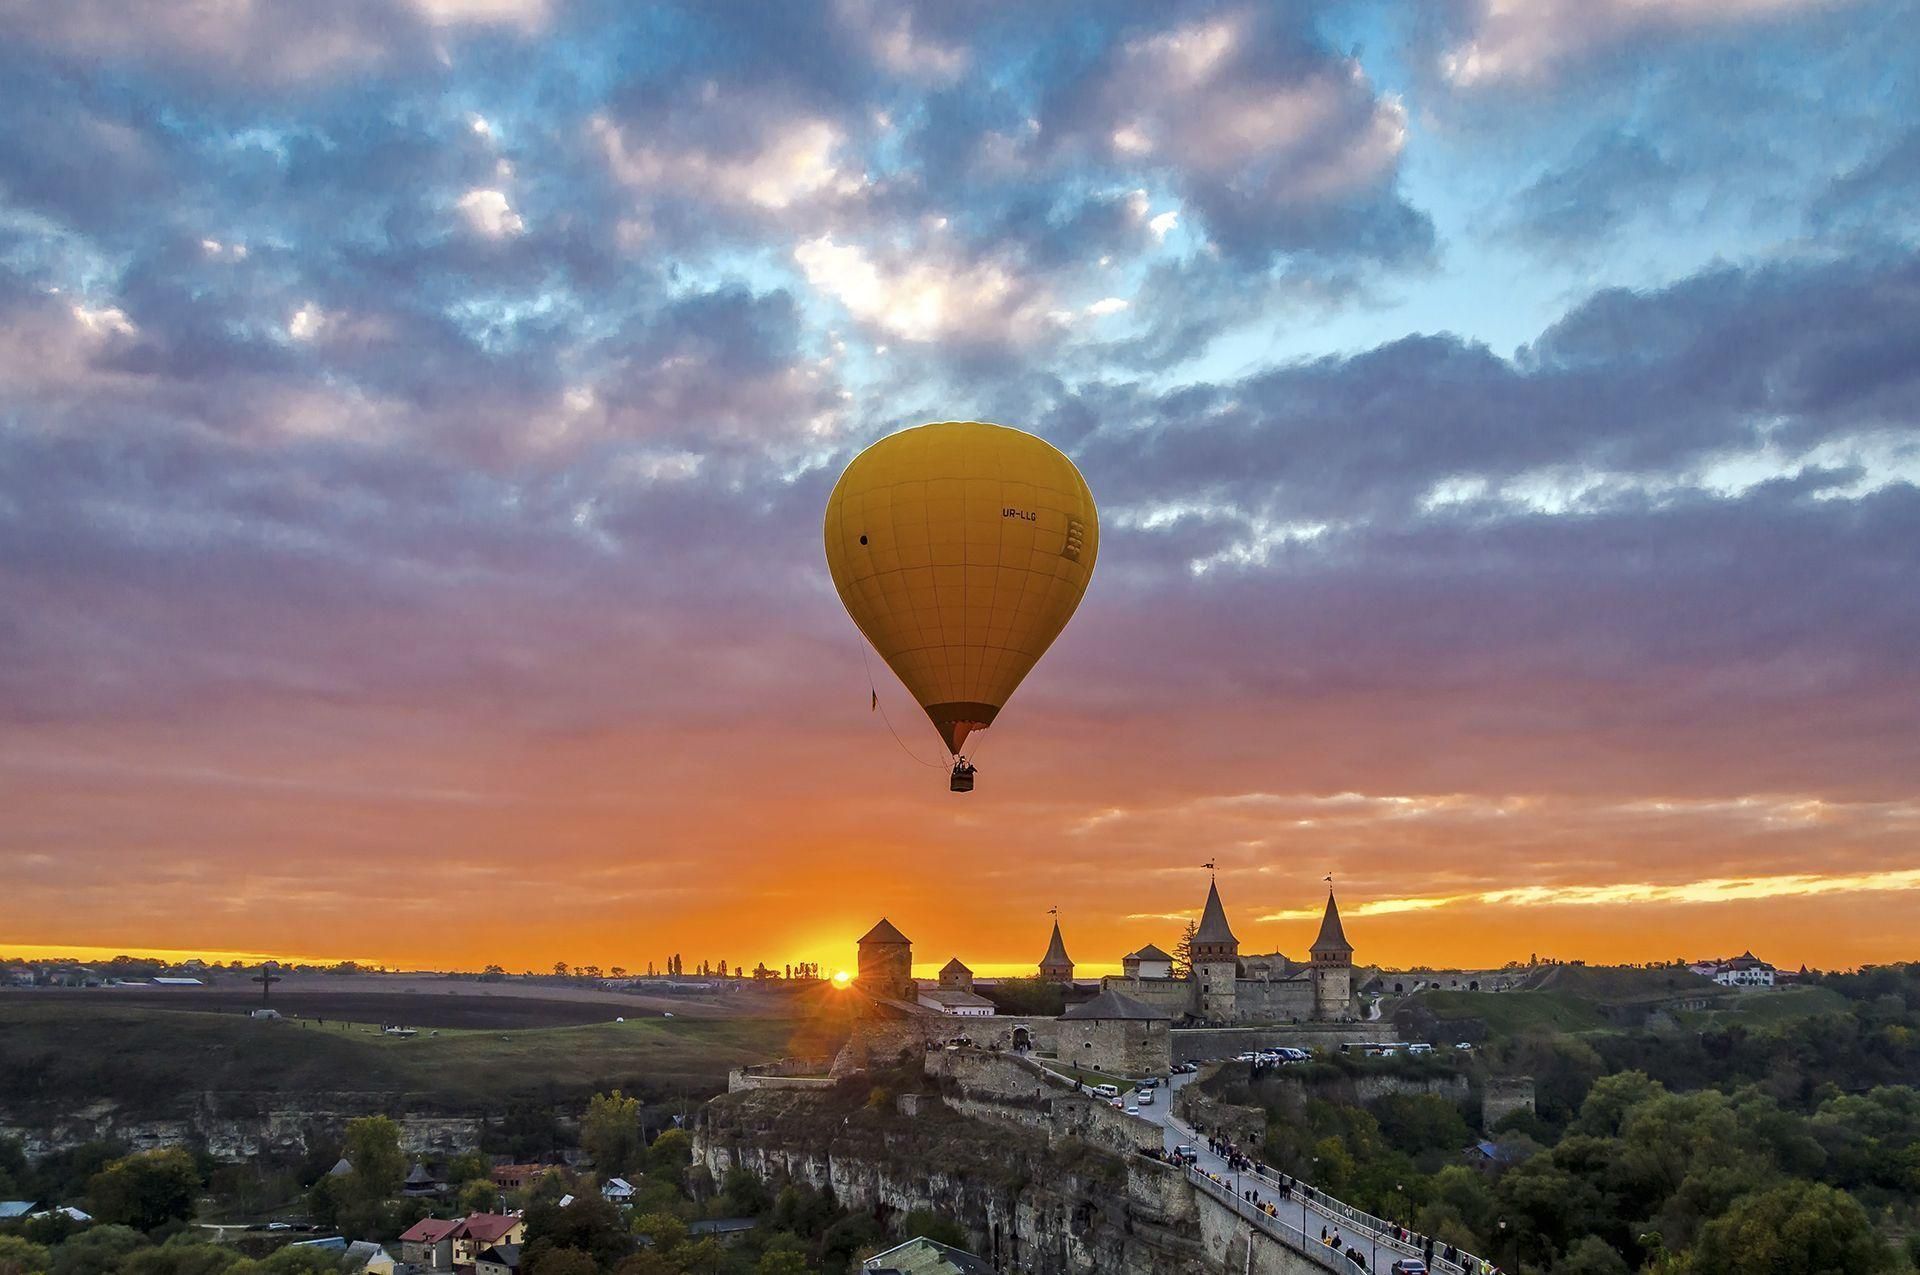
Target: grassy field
[
  {"x": 1510, "y": 1013},
  {"x": 1762, "y": 1005},
  {"x": 162, "y": 1060}
]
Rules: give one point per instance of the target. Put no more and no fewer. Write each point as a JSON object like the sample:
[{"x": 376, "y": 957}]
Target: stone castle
[
  {"x": 1225, "y": 987},
  {"x": 1220, "y": 987}
]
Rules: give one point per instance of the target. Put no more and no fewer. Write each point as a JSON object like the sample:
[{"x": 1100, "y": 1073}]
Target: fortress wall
[
  {"x": 1278, "y": 1002},
  {"x": 1199, "y": 1044},
  {"x": 1171, "y": 996}
]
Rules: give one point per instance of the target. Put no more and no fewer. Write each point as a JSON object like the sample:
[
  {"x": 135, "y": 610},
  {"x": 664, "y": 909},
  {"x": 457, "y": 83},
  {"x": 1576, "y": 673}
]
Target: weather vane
[
  {"x": 1210, "y": 867},
  {"x": 1054, "y": 911}
]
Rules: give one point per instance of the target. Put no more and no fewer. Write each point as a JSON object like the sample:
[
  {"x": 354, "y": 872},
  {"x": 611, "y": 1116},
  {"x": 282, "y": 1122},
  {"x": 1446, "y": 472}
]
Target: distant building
[
  {"x": 178, "y": 982},
  {"x": 956, "y": 1001},
  {"x": 481, "y": 1231},
  {"x": 1148, "y": 962},
  {"x": 956, "y": 976},
  {"x": 1056, "y": 966},
  {"x": 617, "y": 1190},
  {"x": 1223, "y": 986},
  {"x": 517, "y": 1177},
  {"x": 427, "y": 1245},
  {"x": 501, "y": 1259},
  {"x": 886, "y": 962},
  {"x": 923, "y": 1256},
  {"x": 10, "y": 1209},
  {"x": 1744, "y": 970}
]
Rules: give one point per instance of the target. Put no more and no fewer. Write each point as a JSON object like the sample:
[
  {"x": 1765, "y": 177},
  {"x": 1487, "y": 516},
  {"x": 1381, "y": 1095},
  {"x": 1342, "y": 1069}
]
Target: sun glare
[{"x": 841, "y": 978}]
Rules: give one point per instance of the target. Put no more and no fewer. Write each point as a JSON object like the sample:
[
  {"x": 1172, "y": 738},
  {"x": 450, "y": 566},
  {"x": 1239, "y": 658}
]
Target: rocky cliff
[
  {"x": 1066, "y": 1209},
  {"x": 234, "y": 1127}
]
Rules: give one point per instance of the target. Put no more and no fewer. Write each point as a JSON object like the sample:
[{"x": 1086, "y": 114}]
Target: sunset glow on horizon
[{"x": 417, "y": 423}]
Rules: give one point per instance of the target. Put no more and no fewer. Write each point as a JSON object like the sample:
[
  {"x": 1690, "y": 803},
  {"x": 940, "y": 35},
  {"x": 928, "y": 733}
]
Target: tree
[
  {"x": 477, "y": 1195},
  {"x": 589, "y": 1225},
  {"x": 647, "y": 1262},
  {"x": 1592, "y": 1256},
  {"x": 560, "y": 969},
  {"x": 373, "y": 1149},
  {"x": 1183, "y": 951},
  {"x": 610, "y": 1132},
  {"x": 934, "y": 1226},
  {"x": 182, "y": 1256},
  {"x": 1796, "y": 1226},
  {"x": 146, "y": 1190},
  {"x": 670, "y": 1154},
  {"x": 18, "y": 1257},
  {"x": 780, "y": 1261},
  {"x": 99, "y": 1250},
  {"x": 665, "y": 1231},
  {"x": 563, "y": 1261}
]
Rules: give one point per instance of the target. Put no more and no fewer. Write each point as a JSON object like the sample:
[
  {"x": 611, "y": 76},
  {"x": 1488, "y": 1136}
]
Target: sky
[{"x": 416, "y": 418}]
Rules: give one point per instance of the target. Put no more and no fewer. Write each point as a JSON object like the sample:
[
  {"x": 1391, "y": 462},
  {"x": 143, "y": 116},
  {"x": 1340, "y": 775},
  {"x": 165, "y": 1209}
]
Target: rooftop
[{"x": 1112, "y": 1004}]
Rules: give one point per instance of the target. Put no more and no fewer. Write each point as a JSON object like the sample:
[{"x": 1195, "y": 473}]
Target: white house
[
  {"x": 1744, "y": 970},
  {"x": 617, "y": 1190},
  {"x": 1148, "y": 962}
]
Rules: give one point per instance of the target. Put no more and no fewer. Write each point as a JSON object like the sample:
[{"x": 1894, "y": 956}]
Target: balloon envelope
[{"x": 961, "y": 550}]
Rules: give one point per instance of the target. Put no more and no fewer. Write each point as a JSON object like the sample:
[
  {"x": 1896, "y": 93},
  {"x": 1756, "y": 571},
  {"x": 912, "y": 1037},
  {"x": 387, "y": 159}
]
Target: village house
[
  {"x": 427, "y": 1245},
  {"x": 481, "y": 1231}
]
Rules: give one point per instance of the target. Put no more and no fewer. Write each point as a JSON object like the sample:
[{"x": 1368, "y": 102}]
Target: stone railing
[
  {"x": 1378, "y": 1231},
  {"x": 1272, "y": 1227}
]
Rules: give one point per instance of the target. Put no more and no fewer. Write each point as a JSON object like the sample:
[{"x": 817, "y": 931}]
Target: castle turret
[
  {"x": 886, "y": 962},
  {"x": 1332, "y": 966},
  {"x": 1056, "y": 966},
  {"x": 956, "y": 977},
  {"x": 1216, "y": 960}
]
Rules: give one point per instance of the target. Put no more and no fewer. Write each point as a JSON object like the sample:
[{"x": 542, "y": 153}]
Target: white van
[{"x": 1107, "y": 1091}]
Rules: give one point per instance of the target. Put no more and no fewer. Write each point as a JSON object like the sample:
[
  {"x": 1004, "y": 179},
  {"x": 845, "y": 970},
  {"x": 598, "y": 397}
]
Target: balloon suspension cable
[{"x": 874, "y": 692}]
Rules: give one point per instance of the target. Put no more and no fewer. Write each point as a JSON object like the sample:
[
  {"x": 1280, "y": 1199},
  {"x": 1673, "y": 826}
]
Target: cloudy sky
[{"x": 416, "y": 418}]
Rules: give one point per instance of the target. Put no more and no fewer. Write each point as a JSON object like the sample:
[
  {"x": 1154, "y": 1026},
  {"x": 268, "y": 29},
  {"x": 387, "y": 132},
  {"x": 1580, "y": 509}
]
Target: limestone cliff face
[
  {"x": 1071, "y": 1209},
  {"x": 232, "y": 1129}
]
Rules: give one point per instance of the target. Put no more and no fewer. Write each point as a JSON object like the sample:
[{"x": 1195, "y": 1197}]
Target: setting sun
[{"x": 841, "y": 978}]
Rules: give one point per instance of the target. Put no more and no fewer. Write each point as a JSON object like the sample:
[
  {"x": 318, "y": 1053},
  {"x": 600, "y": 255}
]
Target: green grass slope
[{"x": 161, "y": 1061}]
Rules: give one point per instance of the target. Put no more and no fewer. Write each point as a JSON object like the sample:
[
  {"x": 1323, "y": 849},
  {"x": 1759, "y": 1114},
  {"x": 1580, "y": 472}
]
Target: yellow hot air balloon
[{"x": 961, "y": 550}]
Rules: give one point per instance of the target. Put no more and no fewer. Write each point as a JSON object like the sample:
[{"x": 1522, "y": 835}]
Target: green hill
[{"x": 159, "y": 1061}]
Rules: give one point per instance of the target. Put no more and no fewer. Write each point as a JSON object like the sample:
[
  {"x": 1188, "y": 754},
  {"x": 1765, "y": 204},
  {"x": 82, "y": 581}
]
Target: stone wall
[
  {"x": 1002, "y": 1087},
  {"x": 883, "y": 1042},
  {"x": 1225, "y": 1237},
  {"x": 1259, "y": 1000},
  {"x": 1503, "y": 1096},
  {"x": 1118, "y": 1046},
  {"x": 1201, "y": 1044}
]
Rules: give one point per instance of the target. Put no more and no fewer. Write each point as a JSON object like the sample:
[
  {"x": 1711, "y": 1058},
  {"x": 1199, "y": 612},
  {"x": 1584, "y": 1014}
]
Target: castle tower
[
  {"x": 1216, "y": 960},
  {"x": 1056, "y": 966},
  {"x": 1332, "y": 966},
  {"x": 956, "y": 977},
  {"x": 886, "y": 962}
]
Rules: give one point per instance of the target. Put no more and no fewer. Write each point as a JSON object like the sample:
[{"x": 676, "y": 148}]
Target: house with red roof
[
  {"x": 481, "y": 1231},
  {"x": 427, "y": 1245}
]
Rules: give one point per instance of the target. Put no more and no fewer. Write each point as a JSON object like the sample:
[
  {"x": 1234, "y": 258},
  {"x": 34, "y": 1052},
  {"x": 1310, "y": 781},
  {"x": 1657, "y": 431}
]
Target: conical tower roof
[
  {"x": 1213, "y": 921},
  {"x": 884, "y": 933},
  {"x": 1056, "y": 950},
  {"x": 954, "y": 967},
  {"x": 1332, "y": 937}
]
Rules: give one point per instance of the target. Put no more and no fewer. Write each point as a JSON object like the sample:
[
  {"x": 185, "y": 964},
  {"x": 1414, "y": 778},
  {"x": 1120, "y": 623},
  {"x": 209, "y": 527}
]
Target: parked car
[
  {"x": 1420, "y": 1049},
  {"x": 1107, "y": 1091},
  {"x": 1146, "y": 1097},
  {"x": 1408, "y": 1266},
  {"x": 1132, "y": 1111}
]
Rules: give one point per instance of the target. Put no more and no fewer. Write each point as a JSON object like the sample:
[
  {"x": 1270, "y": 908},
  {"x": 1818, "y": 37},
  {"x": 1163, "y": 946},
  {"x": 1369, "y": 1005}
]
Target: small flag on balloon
[{"x": 876, "y": 699}]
